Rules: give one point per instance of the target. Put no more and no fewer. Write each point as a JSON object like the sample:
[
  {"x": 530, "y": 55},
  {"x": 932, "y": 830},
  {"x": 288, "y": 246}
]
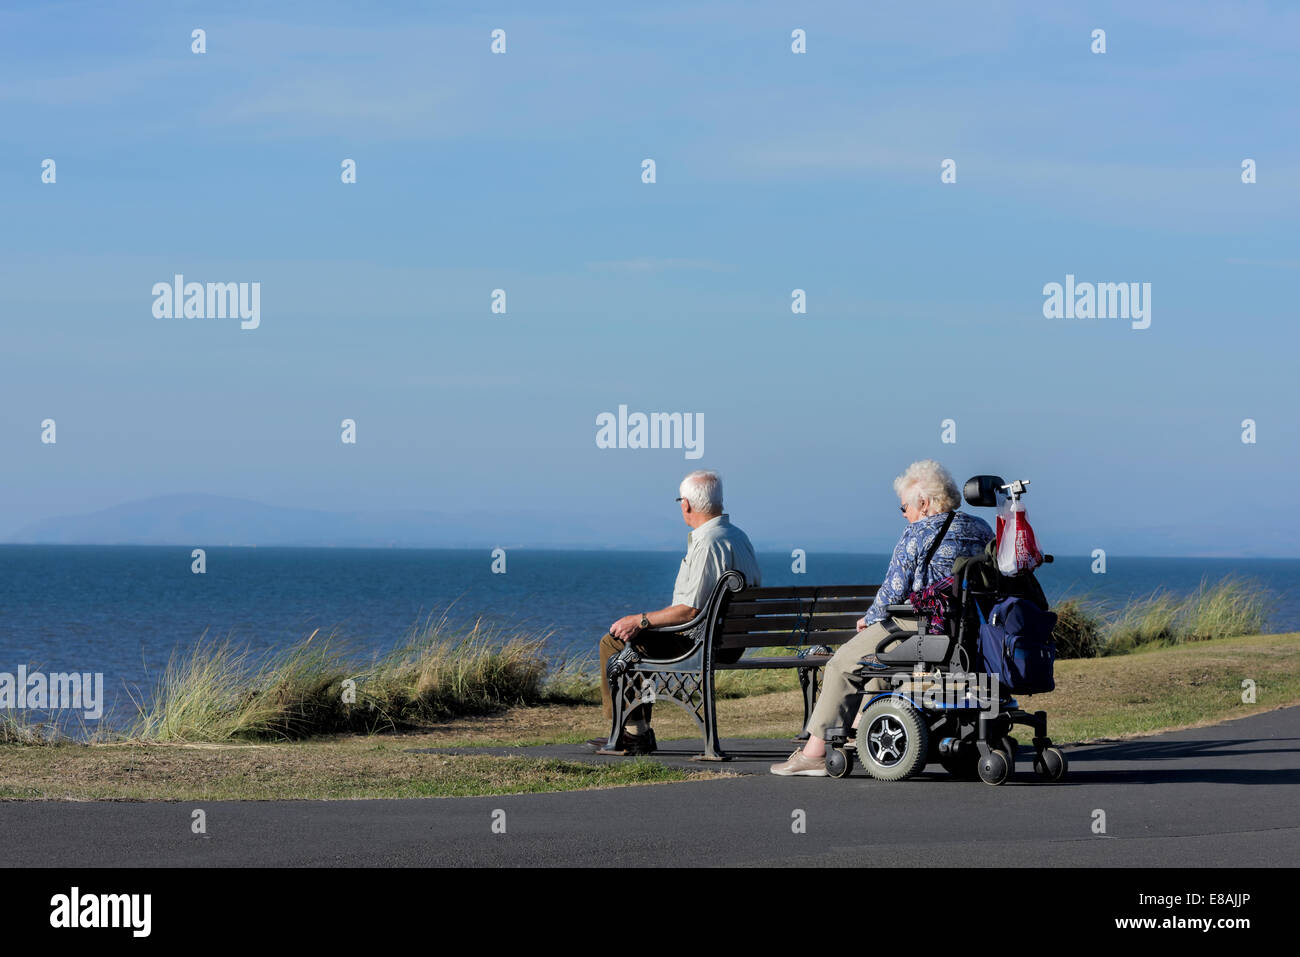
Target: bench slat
[
  {"x": 790, "y": 623},
  {"x": 751, "y": 664},
  {"x": 773, "y": 640},
  {"x": 794, "y": 606},
  {"x": 807, "y": 591}
]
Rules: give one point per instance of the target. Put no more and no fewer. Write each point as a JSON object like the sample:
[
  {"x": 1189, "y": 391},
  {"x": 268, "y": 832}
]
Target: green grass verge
[{"x": 304, "y": 771}]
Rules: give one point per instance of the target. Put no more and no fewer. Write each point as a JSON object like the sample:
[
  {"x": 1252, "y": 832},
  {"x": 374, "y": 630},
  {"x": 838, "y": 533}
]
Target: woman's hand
[{"x": 862, "y": 623}]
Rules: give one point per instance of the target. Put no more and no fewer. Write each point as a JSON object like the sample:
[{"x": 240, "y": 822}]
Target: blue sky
[{"x": 775, "y": 171}]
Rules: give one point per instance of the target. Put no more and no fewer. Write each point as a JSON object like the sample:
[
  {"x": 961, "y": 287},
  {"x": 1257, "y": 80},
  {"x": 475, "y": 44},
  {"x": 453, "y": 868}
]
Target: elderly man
[
  {"x": 713, "y": 546},
  {"x": 928, "y": 497}
]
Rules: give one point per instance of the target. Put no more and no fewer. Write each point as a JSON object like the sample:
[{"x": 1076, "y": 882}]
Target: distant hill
[
  {"x": 197, "y": 520},
  {"x": 218, "y": 520}
]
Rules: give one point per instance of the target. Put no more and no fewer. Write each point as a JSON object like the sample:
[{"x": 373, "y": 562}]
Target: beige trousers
[{"x": 844, "y": 680}]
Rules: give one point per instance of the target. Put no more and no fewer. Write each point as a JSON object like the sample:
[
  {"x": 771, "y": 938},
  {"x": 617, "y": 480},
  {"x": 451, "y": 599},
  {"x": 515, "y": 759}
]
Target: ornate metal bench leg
[
  {"x": 617, "y": 695},
  {"x": 712, "y": 750}
]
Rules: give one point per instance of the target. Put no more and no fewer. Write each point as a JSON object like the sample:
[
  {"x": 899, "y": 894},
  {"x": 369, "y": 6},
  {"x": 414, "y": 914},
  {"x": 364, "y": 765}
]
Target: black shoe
[{"x": 631, "y": 744}]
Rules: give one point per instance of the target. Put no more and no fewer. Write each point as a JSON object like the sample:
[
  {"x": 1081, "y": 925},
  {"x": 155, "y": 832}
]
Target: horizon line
[{"x": 584, "y": 548}]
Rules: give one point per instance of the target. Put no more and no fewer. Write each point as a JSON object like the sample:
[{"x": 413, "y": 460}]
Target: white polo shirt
[{"x": 715, "y": 547}]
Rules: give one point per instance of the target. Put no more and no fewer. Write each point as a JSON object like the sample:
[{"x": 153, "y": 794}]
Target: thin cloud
[
  {"x": 1269, "y": 263},
  {"x": 89, "y": 87},
  {"x": 646, "y": 264}
]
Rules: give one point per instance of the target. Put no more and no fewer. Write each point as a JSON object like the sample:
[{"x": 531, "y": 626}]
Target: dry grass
[
  {"x": 1078, "y": 631},
  {"x": 1231, "y": 607},
  {"x": 1087, "y": 627},
  {"x": 323, "y": 769},
  {"x": 217, "y": 692}
]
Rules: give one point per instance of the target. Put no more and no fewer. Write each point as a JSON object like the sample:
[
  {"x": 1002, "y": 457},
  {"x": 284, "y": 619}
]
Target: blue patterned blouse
[{"x": 967, "y": 535}]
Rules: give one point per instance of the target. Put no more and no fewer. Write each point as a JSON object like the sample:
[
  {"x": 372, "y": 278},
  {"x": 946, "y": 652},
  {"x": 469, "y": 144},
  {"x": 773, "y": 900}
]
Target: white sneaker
[{"x": 801, "y": 765}]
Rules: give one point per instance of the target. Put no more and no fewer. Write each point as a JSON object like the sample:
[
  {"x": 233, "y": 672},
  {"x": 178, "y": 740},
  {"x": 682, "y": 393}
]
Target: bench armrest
[
  {"x": 618, "y": 664},
  {"x": 731, "y": 580},
  {"x": 677, "y": 629}
]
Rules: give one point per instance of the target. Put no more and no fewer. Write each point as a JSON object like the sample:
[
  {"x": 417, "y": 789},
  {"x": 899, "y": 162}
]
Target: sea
[{"x": 123, "y": 611}]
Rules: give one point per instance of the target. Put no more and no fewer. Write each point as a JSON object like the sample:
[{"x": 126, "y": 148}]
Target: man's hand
[
  {"x": 862, "y": 623},
  {"x": 626, "y": 627}
]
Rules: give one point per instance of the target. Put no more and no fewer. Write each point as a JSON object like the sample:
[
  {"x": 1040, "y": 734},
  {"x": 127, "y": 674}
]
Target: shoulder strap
[{"x": 934, "y": 545}]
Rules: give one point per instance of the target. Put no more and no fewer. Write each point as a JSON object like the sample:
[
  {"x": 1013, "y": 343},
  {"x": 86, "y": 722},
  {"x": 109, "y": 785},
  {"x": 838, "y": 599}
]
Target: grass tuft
[
  {"x": 216, "y": 692},
  {"x": 1227, "y": 609},
  {"x": 1088, "y": 628},
  {"x": 17, "y": 727},
  {"x": 1079, "y": 631},
  {"x": 441, "y": 673}
]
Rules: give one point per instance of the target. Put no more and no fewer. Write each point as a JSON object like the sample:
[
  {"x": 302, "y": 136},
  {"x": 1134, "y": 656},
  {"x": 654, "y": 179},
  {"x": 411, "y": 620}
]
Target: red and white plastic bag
[{"x": 1017, "y": 550}]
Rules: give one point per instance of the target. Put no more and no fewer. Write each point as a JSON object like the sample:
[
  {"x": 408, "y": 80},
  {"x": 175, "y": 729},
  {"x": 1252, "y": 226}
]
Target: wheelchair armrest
[
  {"x": 905, "y": 608},
  {"x": 896, "y": 634}
]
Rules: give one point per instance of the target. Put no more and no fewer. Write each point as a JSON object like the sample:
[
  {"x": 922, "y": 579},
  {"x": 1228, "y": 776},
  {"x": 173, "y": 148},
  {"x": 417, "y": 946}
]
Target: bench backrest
[{"x": 798, "y": 615}]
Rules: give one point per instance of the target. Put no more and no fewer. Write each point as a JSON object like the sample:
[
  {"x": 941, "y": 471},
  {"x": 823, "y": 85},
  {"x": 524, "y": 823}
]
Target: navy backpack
[{"x": 1016, "y": 642}]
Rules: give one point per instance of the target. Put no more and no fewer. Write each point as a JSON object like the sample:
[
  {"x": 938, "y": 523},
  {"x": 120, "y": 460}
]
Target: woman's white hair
[
  {"x": 930, "y": 480},
  {"x": 703, "y": 489}
]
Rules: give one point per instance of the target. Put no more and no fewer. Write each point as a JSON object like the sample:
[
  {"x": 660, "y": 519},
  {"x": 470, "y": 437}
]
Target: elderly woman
[{"x": 927, "y": 496}]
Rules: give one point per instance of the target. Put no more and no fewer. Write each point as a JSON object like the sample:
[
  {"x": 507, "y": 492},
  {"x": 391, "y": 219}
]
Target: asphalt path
[{"x": 1227, "y": 795}]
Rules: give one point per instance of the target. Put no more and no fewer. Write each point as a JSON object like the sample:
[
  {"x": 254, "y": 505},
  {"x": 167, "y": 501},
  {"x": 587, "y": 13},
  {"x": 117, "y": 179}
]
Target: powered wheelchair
[{"x": 944, "y": 706}]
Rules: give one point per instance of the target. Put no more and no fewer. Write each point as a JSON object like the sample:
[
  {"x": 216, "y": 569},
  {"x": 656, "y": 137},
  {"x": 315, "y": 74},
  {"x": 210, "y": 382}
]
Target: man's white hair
[
  {"x": 928, "y": 479},
  {"x": 703, "y": 489}
]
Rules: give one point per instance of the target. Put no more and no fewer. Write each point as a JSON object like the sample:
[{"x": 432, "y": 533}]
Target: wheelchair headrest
[{"x": 983, "y": 490}]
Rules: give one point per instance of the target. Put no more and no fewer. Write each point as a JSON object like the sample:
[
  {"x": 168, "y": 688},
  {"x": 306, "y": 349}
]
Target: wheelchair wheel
[
  {"x": 839, "y": 762},
  {"x": 893, "y": 741},
  {"x": 1050, "y": 764},
  {"x": 994, "y": 768}
]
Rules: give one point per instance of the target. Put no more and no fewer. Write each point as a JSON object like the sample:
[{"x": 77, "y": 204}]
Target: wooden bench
[{"x": 734, "y": 619}]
